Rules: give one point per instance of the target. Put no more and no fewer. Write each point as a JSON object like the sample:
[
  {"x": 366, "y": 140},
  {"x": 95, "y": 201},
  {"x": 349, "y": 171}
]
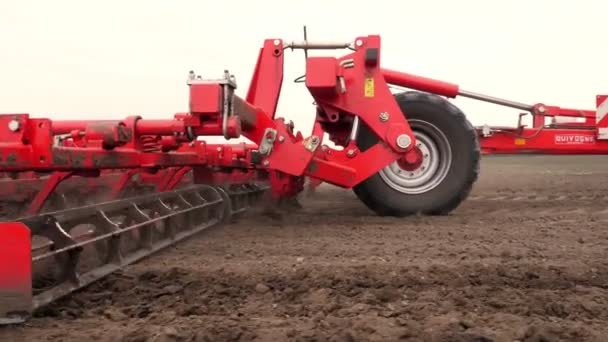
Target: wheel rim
[{"x": 436, "y": 161}]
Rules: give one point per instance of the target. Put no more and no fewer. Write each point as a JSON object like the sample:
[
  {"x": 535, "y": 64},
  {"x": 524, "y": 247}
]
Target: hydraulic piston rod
[
  {"x": 452, "y": 90},
  {"x": 496, "y": 100},
  {"x": 310, "y": 45}
]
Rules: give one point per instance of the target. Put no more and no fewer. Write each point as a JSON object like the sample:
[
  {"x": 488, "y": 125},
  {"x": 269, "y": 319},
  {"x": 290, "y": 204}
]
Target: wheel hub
[
  {"x": 434, "y": 157},
  {"x": 412, "y": 160}
]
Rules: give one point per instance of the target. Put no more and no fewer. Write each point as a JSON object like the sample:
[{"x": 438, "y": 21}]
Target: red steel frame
[{"x": 586, "y": 137}]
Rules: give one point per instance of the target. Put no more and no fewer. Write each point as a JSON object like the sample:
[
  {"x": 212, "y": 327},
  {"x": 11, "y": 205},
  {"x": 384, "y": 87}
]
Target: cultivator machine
[
  {"x": 81, "y": 199},
  {"x": 570, "y": 131}
]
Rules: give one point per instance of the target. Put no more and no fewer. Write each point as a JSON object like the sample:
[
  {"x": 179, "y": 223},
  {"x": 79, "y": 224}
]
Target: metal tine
[
  {"x": 108, "y": 206},
  {"x": 196, "y": 198},
  {"x": 226, "y": 210},
  {"x": 67, "y": 260},
  {"x": 120, "y": 217},
  {"x": 204, "y": 202},
  {"x": 103, "y": 226},
  {"x": 114, "y": 253},
  {"x": 203, "y": 214},
  {"x": 236, "y": 197},
  {"x": 170, "y": 223},
  {"x": 113, "y": 231},
  {"x": 214, "y": 194},
  {"x": 185, "y": 220},
  {"x": 182, "y": 221},
  {"x": 184, "y": 201},
  {"x": 211, "y": 194},
  {"x": 216, "y": 210},
  {"x": 165, "y": 209},
  {"x": 130, "y": 228},
  {"x": 154, "y": 229},
  {"x": 145, "y": 233},
  {"x": 192, "y": 216}
]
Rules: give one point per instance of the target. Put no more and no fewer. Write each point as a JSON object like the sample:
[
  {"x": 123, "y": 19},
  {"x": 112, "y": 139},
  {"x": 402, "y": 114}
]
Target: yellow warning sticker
[
  {"x": 520, "y": 141},
  {"x": 369, "y": 87}
]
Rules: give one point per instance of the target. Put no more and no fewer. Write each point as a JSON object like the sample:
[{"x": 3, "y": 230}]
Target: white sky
[{"x": 109, "y": 59}]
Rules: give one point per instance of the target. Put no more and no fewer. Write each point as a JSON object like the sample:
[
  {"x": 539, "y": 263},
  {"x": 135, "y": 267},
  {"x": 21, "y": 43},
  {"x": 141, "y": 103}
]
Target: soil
[{"x": 523, "y": 259}]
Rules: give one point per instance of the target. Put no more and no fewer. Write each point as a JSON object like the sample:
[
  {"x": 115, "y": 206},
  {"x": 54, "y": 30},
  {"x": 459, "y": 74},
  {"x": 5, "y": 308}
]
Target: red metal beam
[{"x": 543, "y": 141}]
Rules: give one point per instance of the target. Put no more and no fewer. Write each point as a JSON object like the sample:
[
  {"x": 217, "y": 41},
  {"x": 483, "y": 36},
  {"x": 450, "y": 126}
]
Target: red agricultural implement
[
  {"x": 571, "y": 131},
  {"x": 81, "y": 199}
]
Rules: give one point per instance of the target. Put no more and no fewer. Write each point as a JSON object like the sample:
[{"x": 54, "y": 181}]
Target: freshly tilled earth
[{"x": 523, "y": 259}]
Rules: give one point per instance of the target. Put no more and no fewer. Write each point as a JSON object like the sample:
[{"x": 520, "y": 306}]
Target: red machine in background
[
  {"x": 569, "y": 136},
  {"x": 81, "y": 199}
]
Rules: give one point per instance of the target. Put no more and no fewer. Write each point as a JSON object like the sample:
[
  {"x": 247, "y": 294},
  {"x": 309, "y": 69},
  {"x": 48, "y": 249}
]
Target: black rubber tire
[{"x": 463, "y": 170}]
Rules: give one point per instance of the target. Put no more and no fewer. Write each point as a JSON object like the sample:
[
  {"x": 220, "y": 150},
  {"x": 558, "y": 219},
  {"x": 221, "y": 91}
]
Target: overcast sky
[{"x": 108, "y": 59}]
